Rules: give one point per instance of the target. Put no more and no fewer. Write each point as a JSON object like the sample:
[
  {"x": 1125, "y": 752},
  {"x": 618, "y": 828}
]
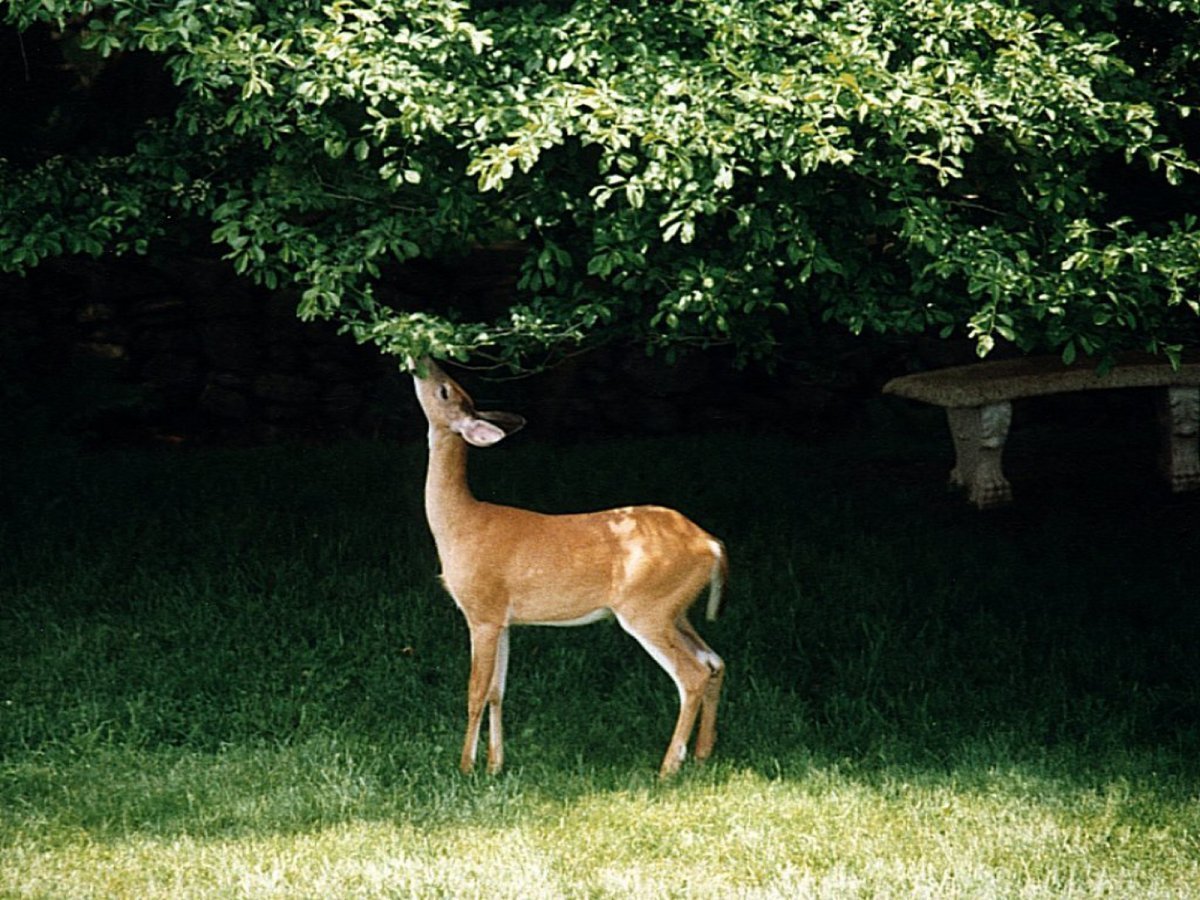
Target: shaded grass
[{"x": 232, "y": 673}]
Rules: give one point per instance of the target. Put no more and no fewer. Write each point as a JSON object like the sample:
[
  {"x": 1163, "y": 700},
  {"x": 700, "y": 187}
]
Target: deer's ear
[
  {"x": 508, "y": 422},
  {"x": 477, "y": 432}
]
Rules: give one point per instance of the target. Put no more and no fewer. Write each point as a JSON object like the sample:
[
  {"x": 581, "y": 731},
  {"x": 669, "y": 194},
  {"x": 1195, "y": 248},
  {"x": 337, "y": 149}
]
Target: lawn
[{"x": 231, "y": 672}]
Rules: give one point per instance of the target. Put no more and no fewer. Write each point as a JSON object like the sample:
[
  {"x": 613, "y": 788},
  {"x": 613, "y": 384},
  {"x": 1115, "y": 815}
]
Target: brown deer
[{"x": 505, "y": 566}]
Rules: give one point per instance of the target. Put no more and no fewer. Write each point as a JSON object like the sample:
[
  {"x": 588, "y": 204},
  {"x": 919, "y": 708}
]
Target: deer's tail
[{"x": 717, "y": 580}]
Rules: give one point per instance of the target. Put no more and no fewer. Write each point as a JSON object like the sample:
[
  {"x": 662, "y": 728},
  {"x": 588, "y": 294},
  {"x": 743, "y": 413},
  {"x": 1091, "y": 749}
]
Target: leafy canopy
[{"x": 679, "y": 172}]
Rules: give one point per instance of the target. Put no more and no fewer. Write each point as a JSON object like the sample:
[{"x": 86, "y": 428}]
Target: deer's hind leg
[
  {"x": 672, "y": 649},
  {"x": 706, "y": 737}
]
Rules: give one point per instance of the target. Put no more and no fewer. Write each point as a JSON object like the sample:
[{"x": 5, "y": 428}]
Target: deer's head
[{"x": 449, "y": 408}]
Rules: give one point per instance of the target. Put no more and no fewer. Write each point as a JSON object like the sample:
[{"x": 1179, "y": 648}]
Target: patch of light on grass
[{"x": 740, "y": 835}]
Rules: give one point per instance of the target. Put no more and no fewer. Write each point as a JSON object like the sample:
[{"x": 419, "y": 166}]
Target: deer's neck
[{"x": 448, "y": 499}]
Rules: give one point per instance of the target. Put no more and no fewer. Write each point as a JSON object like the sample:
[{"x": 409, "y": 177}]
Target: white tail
[{"x": 505, "y": 566}]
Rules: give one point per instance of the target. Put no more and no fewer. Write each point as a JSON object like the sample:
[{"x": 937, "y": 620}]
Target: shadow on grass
[{"x": 246, "y": 642}]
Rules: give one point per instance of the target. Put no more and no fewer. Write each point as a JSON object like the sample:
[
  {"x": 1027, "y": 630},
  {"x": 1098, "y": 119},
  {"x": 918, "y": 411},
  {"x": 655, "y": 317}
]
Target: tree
[{"x": 680, "y": 172}]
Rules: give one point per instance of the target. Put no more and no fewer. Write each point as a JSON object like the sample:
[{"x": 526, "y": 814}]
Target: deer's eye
[{"x": 444, "y": 392}]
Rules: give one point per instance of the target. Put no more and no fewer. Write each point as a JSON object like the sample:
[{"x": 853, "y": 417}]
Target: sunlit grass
[
  {"x": 725, "y": 832},
  {"x": 231, "y": 673}
]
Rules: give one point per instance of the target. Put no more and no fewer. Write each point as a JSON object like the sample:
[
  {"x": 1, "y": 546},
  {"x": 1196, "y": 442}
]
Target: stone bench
[{"x": 978, "y": 402}]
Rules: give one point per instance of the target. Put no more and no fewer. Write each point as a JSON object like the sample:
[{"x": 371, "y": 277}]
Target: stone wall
[
  {"x": 183, "y": 350},
  {"x": 198, "y": 350}
]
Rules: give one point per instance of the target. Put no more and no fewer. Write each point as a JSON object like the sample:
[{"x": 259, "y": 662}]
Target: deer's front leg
[
  {"x": 485, "y": 642},
  {"x": 495, "y": 702}
]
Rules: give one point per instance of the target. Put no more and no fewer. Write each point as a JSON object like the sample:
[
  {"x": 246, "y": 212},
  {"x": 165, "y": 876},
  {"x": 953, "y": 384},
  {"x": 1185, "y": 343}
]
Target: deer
[{"x": 506, "y": 566}]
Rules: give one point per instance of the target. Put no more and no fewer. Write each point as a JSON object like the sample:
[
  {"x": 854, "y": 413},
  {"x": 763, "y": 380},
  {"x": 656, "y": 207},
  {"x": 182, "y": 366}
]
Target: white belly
[{"x": 594, "y": 616}]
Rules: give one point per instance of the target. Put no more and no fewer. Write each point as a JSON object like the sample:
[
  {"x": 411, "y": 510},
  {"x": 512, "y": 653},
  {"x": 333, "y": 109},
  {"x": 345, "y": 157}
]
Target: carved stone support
[
  {"x": 979, "y": 433},
  {"x": 1179, "y": 418}
]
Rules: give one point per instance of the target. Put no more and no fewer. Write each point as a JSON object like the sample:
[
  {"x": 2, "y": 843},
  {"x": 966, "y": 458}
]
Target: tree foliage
[{"x": 679, "y": 172}]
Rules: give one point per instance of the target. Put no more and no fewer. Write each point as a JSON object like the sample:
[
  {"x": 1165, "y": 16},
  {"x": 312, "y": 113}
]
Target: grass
[{"x": 231, "y": 673}]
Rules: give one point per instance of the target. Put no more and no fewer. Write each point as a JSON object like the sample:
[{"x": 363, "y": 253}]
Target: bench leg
[
  {"x": 1179, "y": 417},
  {"x": 979, "y": 433}
]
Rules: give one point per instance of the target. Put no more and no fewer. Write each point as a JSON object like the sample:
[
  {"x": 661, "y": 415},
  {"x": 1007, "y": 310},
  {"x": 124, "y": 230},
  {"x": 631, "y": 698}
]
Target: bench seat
[{"x": 978, "y": 402}]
